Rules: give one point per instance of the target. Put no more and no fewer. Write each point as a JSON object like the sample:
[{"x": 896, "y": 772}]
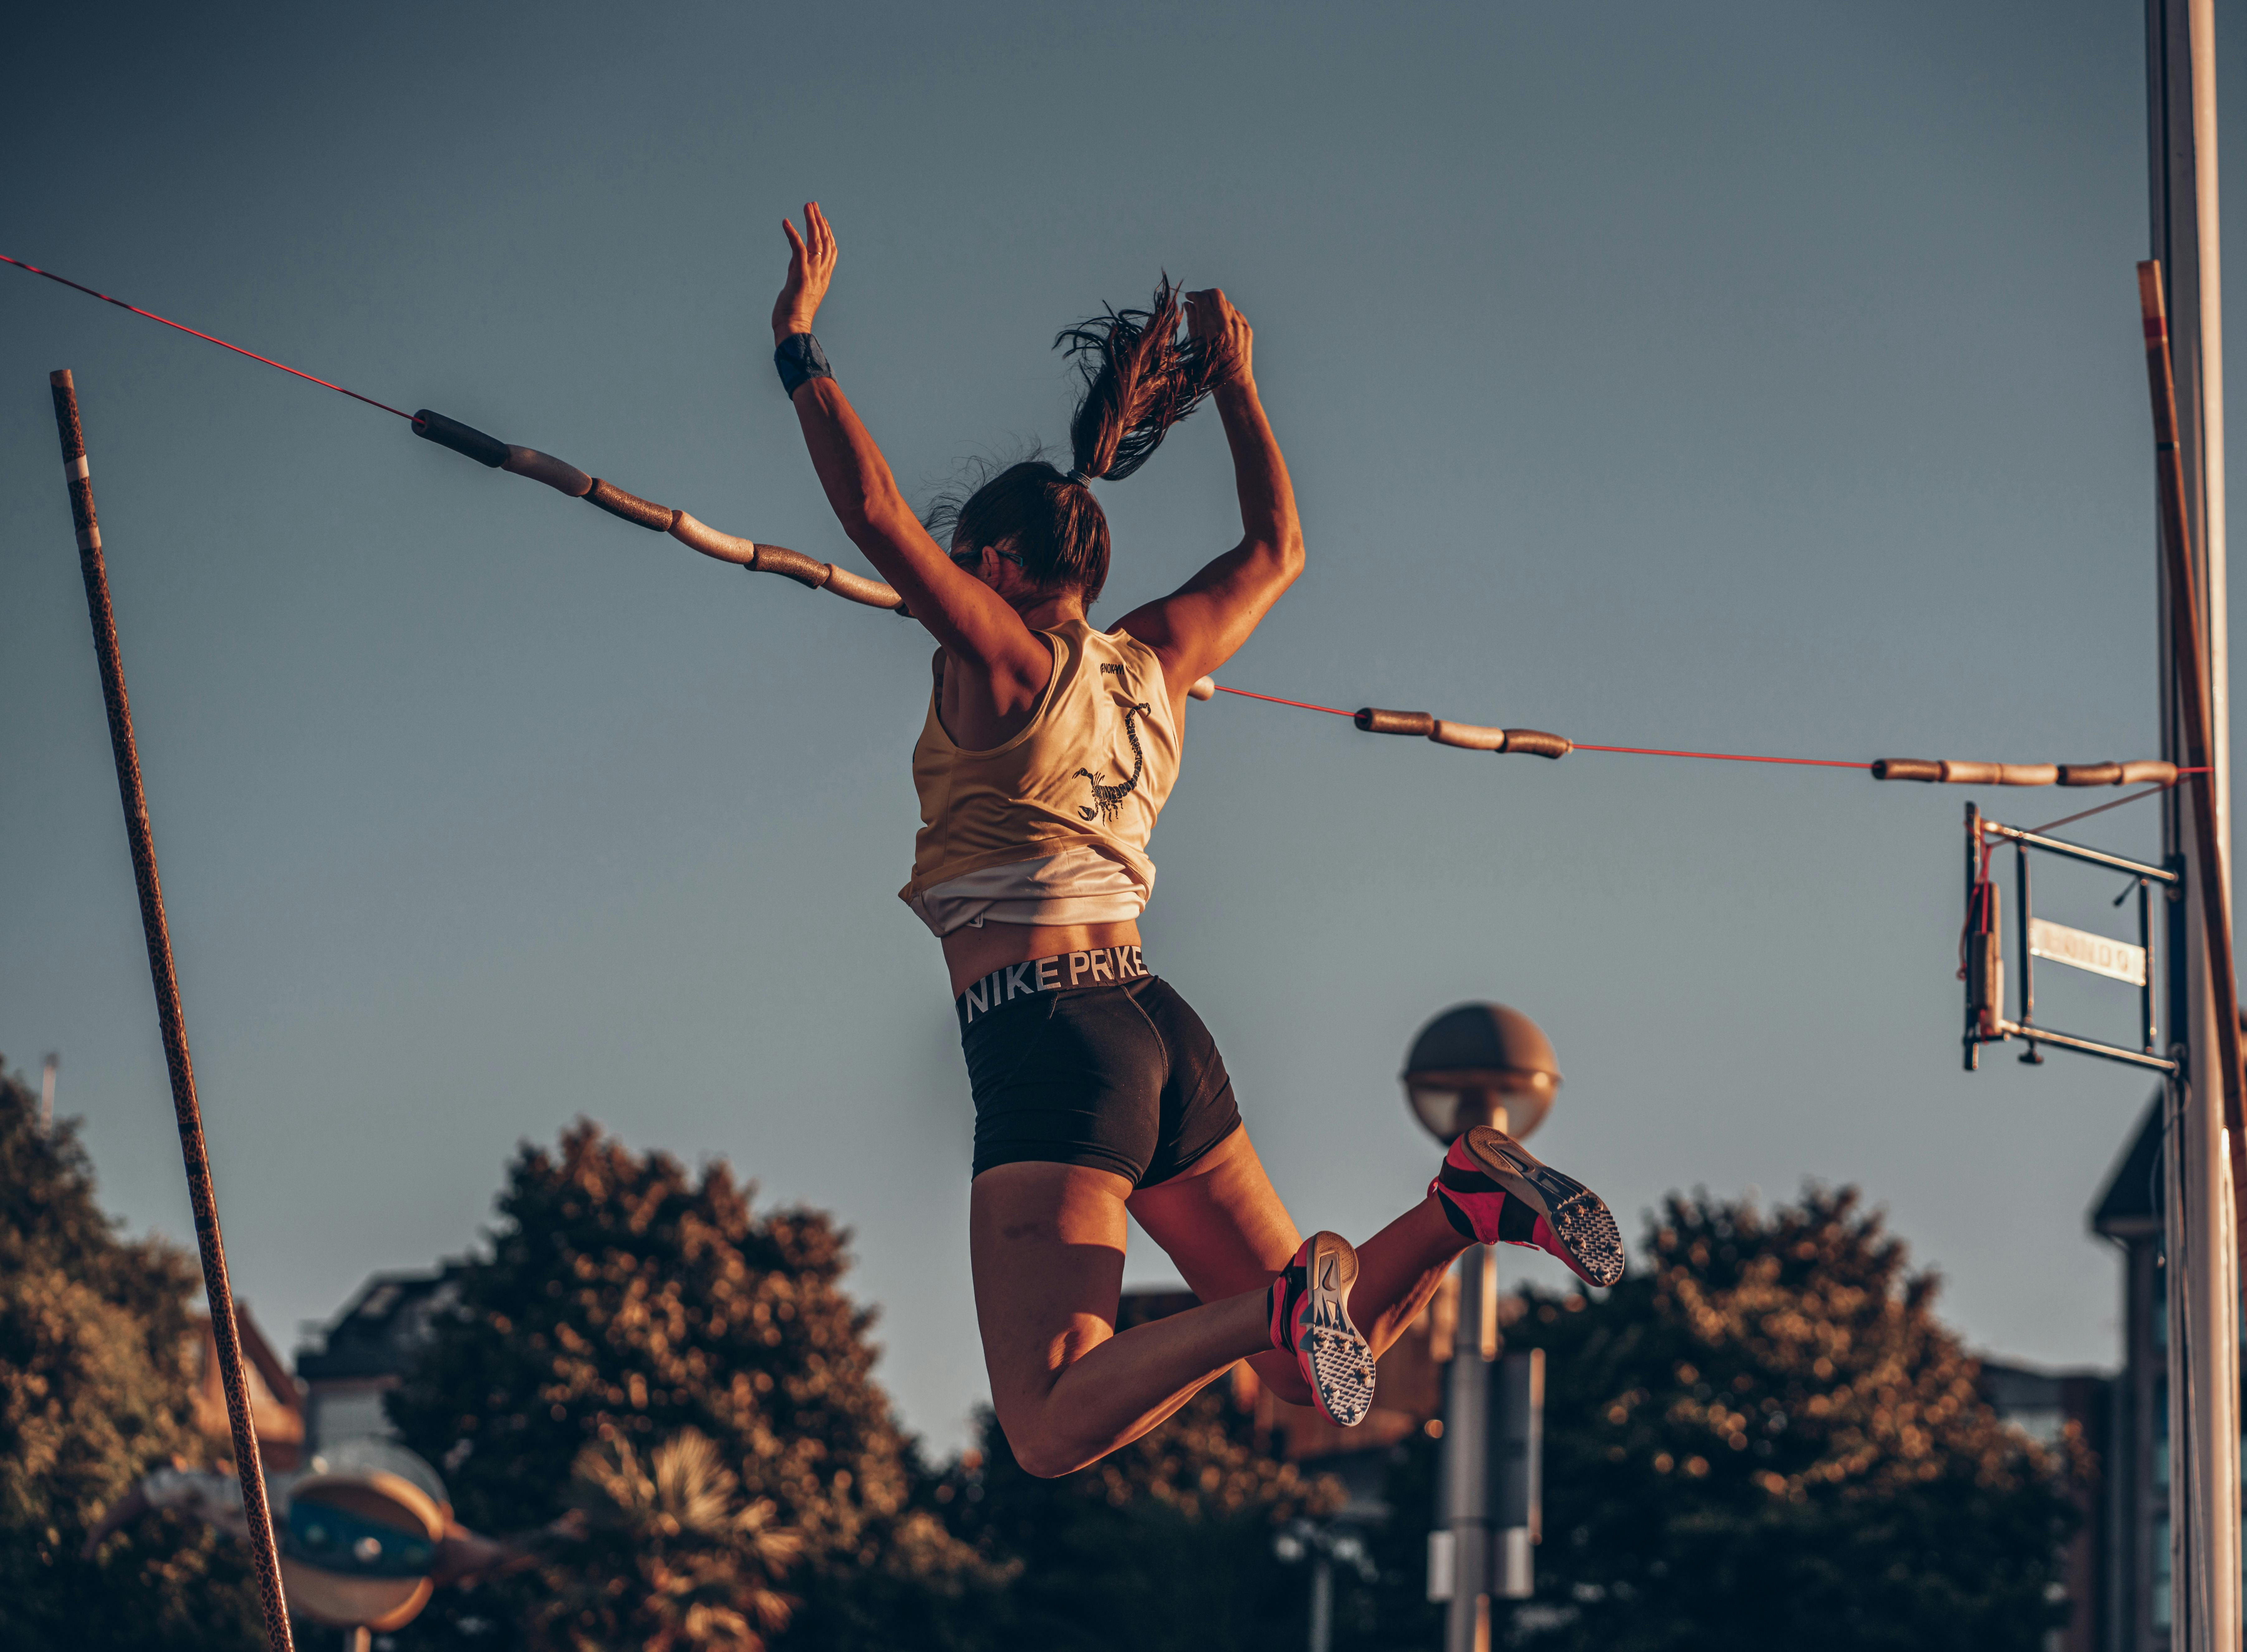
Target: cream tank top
[{"x": 1051, "y": 827}]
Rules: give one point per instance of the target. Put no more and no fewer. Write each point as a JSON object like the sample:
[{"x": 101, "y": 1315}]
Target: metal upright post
[
  {"x": 1466, "y": 1454},
  {"x": 1321, "y": 1598},
  {"x": 2200, "y": 1233},
  {"x": 1517, "y": 1472},
  {"x": 2028, "y": 959},
  {"x": 226, "y": 1333},
  {"x": 1474, "y": 1064}
]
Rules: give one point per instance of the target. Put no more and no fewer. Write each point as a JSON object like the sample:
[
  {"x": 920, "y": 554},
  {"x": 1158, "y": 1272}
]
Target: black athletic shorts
[{"x": 1115, "y": 1072}]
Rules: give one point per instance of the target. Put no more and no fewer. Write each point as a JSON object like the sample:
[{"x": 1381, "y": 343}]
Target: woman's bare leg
[
  {"x": 1047, "y": 1242},
  {"x": 1399, "y": 1268},
  {"x": 1225, "y": 1226}
]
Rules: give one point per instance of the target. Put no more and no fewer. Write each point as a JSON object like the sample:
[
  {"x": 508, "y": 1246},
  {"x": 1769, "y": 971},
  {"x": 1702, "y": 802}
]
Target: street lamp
[{"x": 1483, "y": 1064}]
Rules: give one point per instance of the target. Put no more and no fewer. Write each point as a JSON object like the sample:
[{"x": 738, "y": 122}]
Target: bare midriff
[{"x": 972, "y": 954}]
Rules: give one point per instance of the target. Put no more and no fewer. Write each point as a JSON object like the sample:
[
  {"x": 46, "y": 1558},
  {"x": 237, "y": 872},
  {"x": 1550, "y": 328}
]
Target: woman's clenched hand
[{"x": 1224, "y": 332}]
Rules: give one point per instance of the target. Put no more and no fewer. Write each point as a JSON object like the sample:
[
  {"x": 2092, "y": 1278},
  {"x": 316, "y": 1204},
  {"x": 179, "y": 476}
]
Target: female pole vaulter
[{"x": 1048, "y": 750}]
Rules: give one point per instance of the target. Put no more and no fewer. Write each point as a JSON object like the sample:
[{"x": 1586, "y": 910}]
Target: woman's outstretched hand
[
  {"x": 811, "y": 267},
  {"x": 1223, "y": 331}
]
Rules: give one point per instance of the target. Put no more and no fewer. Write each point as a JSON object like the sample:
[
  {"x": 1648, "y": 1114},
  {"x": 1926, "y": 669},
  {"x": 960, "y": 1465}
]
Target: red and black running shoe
[
  {"x": 1496, "y": 1191},
  {"x": 1309, "y": 1305}
]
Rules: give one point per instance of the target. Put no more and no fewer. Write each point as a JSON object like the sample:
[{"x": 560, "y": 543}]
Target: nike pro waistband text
[{"x": 1055, "y": 975}]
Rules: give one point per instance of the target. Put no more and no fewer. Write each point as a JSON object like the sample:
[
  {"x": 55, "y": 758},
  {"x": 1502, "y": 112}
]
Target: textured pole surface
[
  {"x": 2202, "y": 1141},
  {"x": 224, "y": 1332},
  {"x": 2183, "y": 301},
  {"x": 2195, "y": 718}
]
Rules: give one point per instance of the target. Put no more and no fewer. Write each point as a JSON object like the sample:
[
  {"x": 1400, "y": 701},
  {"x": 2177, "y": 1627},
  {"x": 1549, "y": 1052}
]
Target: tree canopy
[
  {"x": 94, "y": 1391},
  {"x": 639, "y": 1343},
  {"x": 1764, "y": 1436},
  {"x": 1165, "y": 1545}
]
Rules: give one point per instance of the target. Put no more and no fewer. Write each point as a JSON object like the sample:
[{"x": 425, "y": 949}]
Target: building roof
[
  {"x": 2130, "y": 1205},
  {"x": 276, "y": 1410},
  {"x": 382, "y": 1328}
]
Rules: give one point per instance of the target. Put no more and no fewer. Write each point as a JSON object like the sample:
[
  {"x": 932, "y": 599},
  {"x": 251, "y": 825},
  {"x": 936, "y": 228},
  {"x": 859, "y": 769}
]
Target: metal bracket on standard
[{"x": 2119, "y": 960}]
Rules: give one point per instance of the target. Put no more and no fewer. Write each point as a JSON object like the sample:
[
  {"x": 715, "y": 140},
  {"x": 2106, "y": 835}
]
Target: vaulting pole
[
  {"x": 2181, "y": 303},
  {"x": 225, "y": 1334}
]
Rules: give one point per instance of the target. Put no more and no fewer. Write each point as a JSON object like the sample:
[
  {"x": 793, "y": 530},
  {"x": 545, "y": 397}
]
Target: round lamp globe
[{"x": 1481, "y": 1064}]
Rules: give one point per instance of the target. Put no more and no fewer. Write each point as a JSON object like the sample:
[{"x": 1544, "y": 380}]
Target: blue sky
[{"x": 1752, "y": 377}]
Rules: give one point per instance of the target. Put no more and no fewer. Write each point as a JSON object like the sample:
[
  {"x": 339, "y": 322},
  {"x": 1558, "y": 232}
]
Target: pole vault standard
[
  {"x": 224, "y": 1332},
  {"x": 2182, "y": 299},
  {"x": 2195, "y": 715}
]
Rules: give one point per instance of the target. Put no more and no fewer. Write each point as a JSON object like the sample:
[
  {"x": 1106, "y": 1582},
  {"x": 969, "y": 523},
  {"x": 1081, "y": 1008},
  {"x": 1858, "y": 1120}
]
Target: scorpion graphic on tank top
[
  {"x": 1082, "y": 784},
  {"x": 1106, "y": 800}
]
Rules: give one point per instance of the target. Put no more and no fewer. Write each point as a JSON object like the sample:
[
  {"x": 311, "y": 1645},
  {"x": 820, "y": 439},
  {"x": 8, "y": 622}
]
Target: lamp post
[
  {"x": 1478, "y": 1064},
  {"x": 1322, "y": 1546}
]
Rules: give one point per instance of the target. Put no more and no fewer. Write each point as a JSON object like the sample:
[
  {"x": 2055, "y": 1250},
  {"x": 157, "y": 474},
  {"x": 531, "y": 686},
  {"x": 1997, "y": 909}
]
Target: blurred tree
[
  {"x": 1166, "y": 1546},
  {"x": 628, "y": 1310},
  {"x": 1766, "y": 1438},
  {"x": 94, "y": 1391},
  {"x": 676, "y": 1535}
]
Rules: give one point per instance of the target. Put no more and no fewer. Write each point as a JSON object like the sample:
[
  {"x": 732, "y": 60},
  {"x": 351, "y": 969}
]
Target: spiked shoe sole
[
  {"x": 1337, "y": 1360},
  {"x": 1579, "y": 1218}
]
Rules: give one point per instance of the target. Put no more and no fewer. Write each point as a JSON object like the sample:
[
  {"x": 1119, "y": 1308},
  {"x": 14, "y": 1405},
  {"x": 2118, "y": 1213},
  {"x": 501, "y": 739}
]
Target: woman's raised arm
[
  {"x": 1197, "y": 627},
  {"x": 962, "y": 612}
]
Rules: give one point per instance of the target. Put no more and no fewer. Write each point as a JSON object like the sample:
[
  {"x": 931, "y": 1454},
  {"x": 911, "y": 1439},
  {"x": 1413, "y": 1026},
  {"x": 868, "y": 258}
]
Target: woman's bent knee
[
  {"x": 1041, "y": 1454},
  {"x": 1283, "y": 1378}
]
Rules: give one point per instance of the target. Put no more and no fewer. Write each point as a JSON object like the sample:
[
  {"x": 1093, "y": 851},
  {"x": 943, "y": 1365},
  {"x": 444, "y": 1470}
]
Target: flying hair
[{"x": 1142, "y": 374}]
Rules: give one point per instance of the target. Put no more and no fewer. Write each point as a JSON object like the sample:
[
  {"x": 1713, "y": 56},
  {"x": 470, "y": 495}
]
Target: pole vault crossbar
[{"x": 1984, "y": 963}]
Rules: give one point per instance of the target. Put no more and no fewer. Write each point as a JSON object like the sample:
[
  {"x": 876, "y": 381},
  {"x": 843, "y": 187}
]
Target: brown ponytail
[{"x": 1141, "y": 377}]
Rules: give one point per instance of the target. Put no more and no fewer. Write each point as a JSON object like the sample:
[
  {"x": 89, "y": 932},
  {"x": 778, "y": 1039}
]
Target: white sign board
[{"x": 2117, "y": 960}]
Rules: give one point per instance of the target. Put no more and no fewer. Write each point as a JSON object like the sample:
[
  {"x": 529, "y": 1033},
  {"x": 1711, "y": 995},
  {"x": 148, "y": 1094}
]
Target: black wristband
[{"x": 800, "y": 360}]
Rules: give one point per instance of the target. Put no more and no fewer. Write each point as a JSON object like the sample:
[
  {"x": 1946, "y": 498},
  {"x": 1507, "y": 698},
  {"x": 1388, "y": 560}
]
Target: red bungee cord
[
  {"x": 1634, "y": 751},
  {"x": 182, "y": 327},
  {"x": 1726, "y": 757},
  {"x": 1332, "y": 711},
  {"x": 1360, "y": 718}
]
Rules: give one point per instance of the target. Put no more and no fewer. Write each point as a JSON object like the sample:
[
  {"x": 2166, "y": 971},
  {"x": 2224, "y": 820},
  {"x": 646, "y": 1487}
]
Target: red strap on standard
[{"x": 1978, "y": 905}]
